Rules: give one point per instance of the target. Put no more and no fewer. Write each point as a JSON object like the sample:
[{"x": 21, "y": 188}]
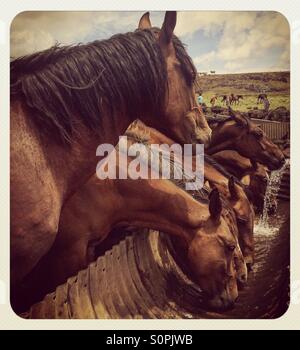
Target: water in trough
[
  {"x": 267, "y": 292},
  {"x": 270, "y": 200}
]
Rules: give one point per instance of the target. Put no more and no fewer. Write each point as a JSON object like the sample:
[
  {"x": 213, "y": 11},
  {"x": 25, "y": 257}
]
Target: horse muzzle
[
  {"x": 222, "y": 303},
  {"x": 276, "y": 164}
]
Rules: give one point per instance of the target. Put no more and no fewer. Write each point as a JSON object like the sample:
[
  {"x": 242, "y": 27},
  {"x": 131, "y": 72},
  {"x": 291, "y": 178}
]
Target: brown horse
[
  {"x": 225, "y": 100},
  {"x": 257, "y": 181},
  {"x": 240, "y": 134},
  {"x": 236, "y": 99},
  {"x": 207, "y": 232},
  {"x": 65, "y": 101},
  {"x": 250, "y": 173},
  {"x": 218, "y": 178},
  {"x": 234, "y": 192}
]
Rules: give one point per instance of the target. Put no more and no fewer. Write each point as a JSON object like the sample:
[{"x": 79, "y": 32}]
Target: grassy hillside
[{"x": 275, "y": 84}]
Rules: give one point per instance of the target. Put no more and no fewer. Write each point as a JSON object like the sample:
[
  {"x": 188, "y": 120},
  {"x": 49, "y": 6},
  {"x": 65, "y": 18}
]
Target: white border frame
[{"x": 291, "y": 10}]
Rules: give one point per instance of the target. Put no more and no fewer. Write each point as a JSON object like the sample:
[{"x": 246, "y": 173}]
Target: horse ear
[
  {"x": 232, "y": 188},
  {"x": 215, "y": 205},
  {"x": 237, "y": 117},
  {"x": 144, "y": 22},
  {"x": 166, "y": 33}
]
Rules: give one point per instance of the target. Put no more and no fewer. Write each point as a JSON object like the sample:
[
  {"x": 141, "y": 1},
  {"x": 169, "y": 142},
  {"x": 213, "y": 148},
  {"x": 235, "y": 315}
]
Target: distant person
[
  {"x": 238, "y": 98},
  {"x": 261, "y": 97},
  {"x": 266, "y": 104},
  {"x": 200, "y": 99},
  {"x": 213, "y": 100}
]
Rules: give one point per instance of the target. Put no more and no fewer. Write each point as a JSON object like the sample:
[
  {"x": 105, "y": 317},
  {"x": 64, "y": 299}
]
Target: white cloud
[
  {"x": 233, "y": 66},
  {"x": 189, "y": 22},
  {"x": 27, "y": 41},
  {"x": 250, "y": 35},
  {"x": 238, "y": 37},
  {"x": 206, "y": 59},
  {"x": 34, "y": 31}
]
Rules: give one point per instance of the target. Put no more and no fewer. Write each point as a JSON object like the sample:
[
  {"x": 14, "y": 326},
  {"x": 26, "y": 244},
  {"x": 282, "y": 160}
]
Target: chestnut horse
[
  {"x": 238, "y": 197},
  {"x": 65, "y": 101},
  {"x": 207, "y": 229},
  {"x": 235, "y": 99},
  {"x": 250, "y": 173},
  {"x": 219, "y": 178},
  {"x": 239, "y": 133}
]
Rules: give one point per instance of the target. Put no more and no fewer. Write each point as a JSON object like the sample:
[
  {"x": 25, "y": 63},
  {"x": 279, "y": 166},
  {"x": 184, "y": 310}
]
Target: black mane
[{"x": 72, "y": 85}]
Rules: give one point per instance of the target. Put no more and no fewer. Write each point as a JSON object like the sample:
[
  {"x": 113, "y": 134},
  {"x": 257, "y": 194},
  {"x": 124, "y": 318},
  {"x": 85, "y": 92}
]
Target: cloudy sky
[{"x": 226, "y": 42}]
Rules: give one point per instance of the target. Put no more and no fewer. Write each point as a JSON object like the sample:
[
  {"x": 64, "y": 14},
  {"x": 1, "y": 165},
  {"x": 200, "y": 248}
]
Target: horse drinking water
[
  {"x": 206, "y": 228},
  {"x": 239, "y": 133}
]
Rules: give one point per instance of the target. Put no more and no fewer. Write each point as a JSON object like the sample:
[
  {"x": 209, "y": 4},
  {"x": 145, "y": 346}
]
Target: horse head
[
  {"x": 212, "y": 256},
  {"x": 257, "y": 181},
  {"x": 182, "y": 118},
  {"x": 245, "y": 219},
  {"x": 241, "y": 134}
]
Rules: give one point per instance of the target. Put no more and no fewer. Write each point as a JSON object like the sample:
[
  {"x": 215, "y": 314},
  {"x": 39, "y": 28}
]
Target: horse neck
[
  {"x": 228, "y": 144},
  {"x": 233, "y": 162},
  {"x": 71, "y": 165},
  {"x": 180, "y": 216},
  {"x": 160, "y": 205},
  {"x": 224, "y": 137},
  {"x": 213, "y": 175},
  {"x": 77, "y": 162}
]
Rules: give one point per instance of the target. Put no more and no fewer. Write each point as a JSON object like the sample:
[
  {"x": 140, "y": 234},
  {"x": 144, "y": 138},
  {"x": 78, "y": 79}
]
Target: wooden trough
[
  {"x": 140, "y": 278},
  {"x": 137, "y": 278}
]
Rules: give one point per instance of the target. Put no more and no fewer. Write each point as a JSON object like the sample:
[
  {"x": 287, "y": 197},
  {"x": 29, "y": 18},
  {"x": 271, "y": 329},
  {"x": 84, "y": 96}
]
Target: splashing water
[{"x": 263, "y": 226}]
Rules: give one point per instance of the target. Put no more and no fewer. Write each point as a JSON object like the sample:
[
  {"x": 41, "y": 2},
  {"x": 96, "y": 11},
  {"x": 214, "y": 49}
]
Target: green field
[
  {"x": 249, "y": 101},
  {"x": 275, "y": 84}
]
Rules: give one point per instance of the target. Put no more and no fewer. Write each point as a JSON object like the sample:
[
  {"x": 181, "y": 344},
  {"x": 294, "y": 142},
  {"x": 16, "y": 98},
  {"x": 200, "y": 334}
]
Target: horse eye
[{"x": 231, "y": 247}]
